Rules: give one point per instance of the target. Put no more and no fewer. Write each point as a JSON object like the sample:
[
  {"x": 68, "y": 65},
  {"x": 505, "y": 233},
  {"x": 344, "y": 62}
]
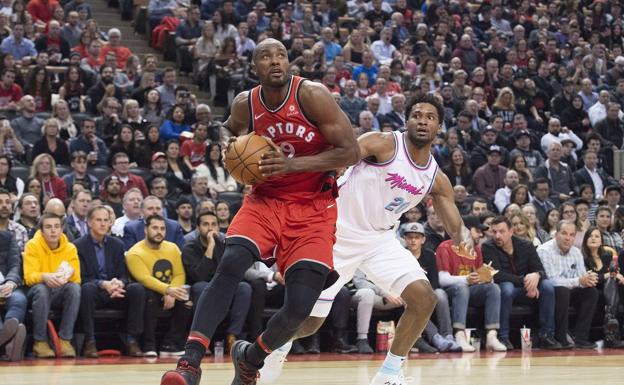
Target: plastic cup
[
  {"x": 476, "y": 344},
  {"x": 525, "y": 339},
  {"x": 188, "y": 291}
]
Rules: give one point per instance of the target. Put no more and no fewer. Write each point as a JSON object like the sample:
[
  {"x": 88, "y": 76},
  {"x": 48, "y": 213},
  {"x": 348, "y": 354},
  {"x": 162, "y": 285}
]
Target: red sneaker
[{"x": 184, "y": 374}]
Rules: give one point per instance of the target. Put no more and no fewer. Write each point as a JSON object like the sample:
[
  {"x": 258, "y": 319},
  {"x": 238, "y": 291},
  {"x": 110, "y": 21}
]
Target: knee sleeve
[{"x": 236, "y": 260}]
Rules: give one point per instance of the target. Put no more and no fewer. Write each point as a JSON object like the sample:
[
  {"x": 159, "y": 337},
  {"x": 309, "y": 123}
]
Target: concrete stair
[{"x": 109, "y": 17}]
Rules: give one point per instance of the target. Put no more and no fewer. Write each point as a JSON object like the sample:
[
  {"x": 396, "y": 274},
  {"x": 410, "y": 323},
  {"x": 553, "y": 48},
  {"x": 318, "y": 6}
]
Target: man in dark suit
[
  {"x": 134, "y": 231},
  {"x": 396, "y": 117},
  {"x": 105, "y": 282},
  {"x": 592, "y": 175},
  {"x": 541, "y": 200}
]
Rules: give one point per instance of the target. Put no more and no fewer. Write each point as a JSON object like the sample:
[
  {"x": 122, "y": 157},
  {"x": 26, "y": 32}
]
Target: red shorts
[{"x": 287, "y": 231}]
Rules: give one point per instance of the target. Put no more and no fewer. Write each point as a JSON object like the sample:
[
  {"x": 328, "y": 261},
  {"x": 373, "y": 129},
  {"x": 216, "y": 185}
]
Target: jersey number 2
[{"x": 398, "y": 204}]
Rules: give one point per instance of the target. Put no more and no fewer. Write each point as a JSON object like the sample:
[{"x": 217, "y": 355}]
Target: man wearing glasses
[{"x": 121, "y": 166}]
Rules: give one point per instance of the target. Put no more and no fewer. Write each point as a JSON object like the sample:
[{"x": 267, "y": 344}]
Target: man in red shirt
[
  {"x": 42, "y": 10},
  {"x": 10, "y": 93},
  {"x": 464, "y": 285},
  {"x": 114, "y": 45},
  {"x": 121, "y": 164},
  {"x": 194, "y": 151}
]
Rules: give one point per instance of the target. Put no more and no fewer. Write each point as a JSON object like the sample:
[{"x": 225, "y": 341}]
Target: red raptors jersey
[{"x": 289, "y": 128}]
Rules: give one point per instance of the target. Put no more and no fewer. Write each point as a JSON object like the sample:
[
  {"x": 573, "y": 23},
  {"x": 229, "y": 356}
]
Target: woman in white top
[
  {"x": 219, "y": 180},
  {"x": 206, "y": 48}
]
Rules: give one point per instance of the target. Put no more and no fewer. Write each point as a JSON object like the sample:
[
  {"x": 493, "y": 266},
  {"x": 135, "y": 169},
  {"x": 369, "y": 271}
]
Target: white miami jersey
[{"x": 373, "y": 196}]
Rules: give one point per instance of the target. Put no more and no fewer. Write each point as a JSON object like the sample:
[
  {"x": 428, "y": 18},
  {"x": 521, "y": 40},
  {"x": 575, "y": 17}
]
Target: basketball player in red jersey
[{"x": 290, "y": 217}]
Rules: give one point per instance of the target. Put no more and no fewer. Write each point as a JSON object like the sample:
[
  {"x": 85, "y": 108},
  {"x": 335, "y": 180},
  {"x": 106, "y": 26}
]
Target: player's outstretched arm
[
  {"x": 238, "y": 122},
  {"x": 321, "y": 108},
  {"x": 445, "y": 208}
]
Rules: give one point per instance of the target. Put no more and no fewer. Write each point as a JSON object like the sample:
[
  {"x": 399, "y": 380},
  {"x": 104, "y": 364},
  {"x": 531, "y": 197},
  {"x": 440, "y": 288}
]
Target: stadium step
[{"x": 109, "y": 17}]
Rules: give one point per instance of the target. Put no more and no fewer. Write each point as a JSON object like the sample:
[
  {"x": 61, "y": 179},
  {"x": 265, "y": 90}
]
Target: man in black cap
[
  {"x": 563, "y": 100},
  {"x": 533, "y": 158},
  {"x": 479, "y": 155},
  {"x": 491, "y": 176}
]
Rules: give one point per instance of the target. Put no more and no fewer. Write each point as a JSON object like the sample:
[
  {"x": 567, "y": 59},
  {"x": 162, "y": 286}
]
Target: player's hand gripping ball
[{"x": 242, "y": 157}]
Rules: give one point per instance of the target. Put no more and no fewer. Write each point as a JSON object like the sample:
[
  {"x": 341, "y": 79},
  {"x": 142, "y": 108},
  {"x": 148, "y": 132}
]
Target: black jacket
[
  {"x": 513, "y": 269},
  {"x": 582, "y": 177},
  {"x": 115, "y": 261},
  {"x": 10, "y": 259},
  {"x": 198, "y": 267}
]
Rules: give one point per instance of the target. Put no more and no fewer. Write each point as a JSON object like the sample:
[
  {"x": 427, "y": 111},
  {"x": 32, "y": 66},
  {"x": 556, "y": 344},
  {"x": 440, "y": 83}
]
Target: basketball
[{"x": 242, "y": 157}]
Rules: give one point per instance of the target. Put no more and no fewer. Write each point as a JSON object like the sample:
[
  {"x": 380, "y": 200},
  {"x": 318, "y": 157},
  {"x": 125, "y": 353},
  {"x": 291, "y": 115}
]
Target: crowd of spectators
[{"x": 103, "y": 153}]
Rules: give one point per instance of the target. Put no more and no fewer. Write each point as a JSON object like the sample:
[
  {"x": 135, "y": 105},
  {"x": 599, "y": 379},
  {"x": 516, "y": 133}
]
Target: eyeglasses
[{"x": 569, "y": 212}]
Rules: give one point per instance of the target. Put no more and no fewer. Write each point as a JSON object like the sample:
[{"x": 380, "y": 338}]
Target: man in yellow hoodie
[
  {"x": 52, "y": 273},
  {"x": 157, "y": 265}
]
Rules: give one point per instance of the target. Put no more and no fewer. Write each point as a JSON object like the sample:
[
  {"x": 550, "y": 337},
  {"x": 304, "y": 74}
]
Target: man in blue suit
[
  {"x": 134, "y": 231},
  {"x": 105, "y": 282}
]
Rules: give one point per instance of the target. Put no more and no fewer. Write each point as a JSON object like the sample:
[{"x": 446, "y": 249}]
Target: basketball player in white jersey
[{"x": 396, "y": 172}]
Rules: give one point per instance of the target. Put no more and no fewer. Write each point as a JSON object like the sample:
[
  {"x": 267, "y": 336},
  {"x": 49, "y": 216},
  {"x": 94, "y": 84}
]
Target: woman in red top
[
  {"x": 44, "y": 169},
  {"x": 83, "y": 46}
]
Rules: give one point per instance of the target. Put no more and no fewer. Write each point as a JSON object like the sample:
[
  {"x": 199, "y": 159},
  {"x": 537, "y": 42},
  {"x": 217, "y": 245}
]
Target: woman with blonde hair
[
  {"x": 522, "y": 228},
  {"x": 529, "y": 211},
  {"x": 505, "y": 105},
  {"x": 131, "y": 115},
  {"x": 44, "y": 170},
  {"x": 354, "y": 48},
  {"x": 60, "y": 111},
  {"x": 204, "y": 52},
  {"x": 50, "y": 143}
]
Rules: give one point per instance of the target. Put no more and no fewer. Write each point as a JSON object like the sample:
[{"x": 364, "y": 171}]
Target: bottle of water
[{"x": 218, "y": 350}]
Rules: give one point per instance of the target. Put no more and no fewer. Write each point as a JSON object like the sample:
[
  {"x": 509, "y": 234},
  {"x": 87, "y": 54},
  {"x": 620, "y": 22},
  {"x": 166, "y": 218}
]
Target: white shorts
[{"x": 383, "y": 259}]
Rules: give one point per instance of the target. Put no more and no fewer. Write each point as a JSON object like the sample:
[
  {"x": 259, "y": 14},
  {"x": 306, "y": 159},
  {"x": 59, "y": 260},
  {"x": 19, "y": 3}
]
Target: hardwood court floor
[{"x": 578, "y": 367}]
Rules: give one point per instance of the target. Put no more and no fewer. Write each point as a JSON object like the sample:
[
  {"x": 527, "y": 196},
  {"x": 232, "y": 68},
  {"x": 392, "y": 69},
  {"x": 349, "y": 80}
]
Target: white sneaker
[
  {"x": 391, "y": 379},
  {"x": 273, "y": 364},
  {"x": 150, "y": 354},
  {"x": 460, "y": 338},
  {"x": 492, "y": 343}
]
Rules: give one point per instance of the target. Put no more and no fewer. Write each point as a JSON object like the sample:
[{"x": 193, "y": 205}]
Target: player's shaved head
[{"x": 266, "y": 44}]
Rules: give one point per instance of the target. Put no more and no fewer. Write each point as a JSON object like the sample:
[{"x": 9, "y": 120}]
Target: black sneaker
[
  {"x": 297, "y": 348},
  {"x": 507, "y": 343},
  {"x": 341, "y": 346},
  {"x": 363, "y": 346},
  {"x": 244, "y": 372},
  {"x": 549, "y": 343},
  {"x": 584, "y": 344},
  {"x": 184, "y": 374},
  {"x": 614, "y": 344},
  {"x": 423, "y": 347},
  {"x": 315, "y": 344}
]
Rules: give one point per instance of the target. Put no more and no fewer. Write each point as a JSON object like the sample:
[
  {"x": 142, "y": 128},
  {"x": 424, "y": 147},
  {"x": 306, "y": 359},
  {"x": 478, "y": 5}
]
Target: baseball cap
[
  {"x": 495, "y": 148},
  {"x": 413, "y": 227},
  {"x": 183, "y": 201},
  {"x": 488, "y": 128},
  {"x": 520, "y": 75},
  {"x": 613, "y": 188},
  {"x": 158, "y": 155},
  {"x": 566, "y": 141},
  {"x": 471, "y": 221},
  {"x": 522, "y": 133}
]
